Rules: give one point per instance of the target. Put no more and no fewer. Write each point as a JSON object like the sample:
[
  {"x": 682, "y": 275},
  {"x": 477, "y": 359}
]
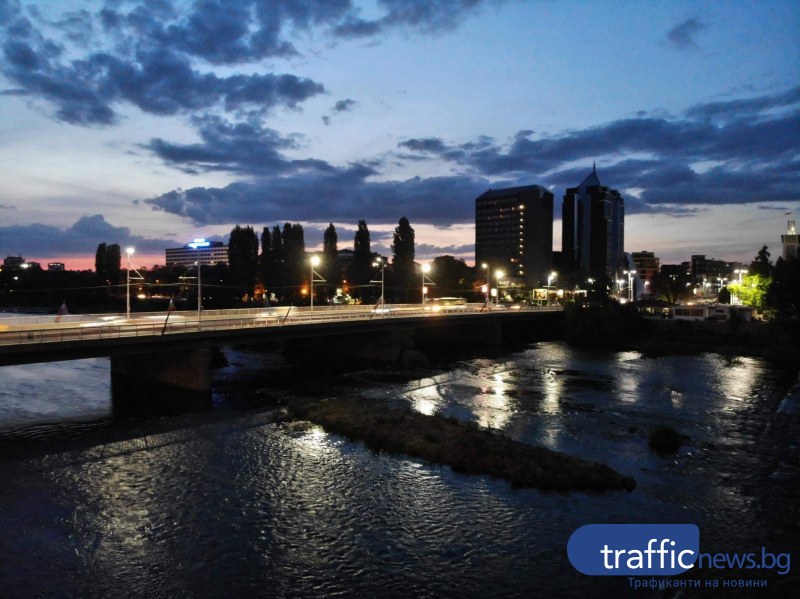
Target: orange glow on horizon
[{"x": 86, "y": 262}]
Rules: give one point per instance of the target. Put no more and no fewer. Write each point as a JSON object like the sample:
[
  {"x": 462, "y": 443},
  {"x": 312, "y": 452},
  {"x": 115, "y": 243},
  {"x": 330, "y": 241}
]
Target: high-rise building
[
  {"x": 647, "y": 265},
  {"x": 593, "y": 228},
  {"x": 791, "y": 242},
  {"x": 514, "y": 233},
  {"x": 208, "y": 252}
]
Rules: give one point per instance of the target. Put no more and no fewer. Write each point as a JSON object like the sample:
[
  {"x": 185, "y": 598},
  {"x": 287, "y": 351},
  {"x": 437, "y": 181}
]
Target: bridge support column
[{"x": 171, "y": 381}]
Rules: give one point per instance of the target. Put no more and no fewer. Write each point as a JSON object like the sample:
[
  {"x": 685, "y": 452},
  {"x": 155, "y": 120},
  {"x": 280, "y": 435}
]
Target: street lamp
[
  {"x": 382, "y": 263},
  {"x": 314, "y": 262},
  {"x": 197, "y": 244},
  {"x": 426, "y": 268},
  {"x": 499, "y": 274},
  {"x": 128, "y": 251},
  {"x": 485, "y": 288},
  {"x": 550, "y": 278},
  {"x": 630, "y": 274}
]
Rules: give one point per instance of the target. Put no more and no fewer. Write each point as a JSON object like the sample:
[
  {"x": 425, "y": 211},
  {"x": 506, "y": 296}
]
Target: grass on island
[{"x": 463, "y": 446}]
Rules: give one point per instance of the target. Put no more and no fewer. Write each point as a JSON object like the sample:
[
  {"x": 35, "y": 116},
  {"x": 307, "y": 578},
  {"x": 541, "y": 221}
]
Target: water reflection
[{"x": 228, "y": 509}]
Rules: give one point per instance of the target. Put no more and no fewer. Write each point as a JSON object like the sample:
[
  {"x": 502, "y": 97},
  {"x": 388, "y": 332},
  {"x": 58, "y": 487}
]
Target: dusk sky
[{"x": 149, "y": 123}]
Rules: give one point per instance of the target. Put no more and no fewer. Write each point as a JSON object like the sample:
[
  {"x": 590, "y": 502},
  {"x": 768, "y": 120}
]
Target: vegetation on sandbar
[{"x": 463, "y": 446}]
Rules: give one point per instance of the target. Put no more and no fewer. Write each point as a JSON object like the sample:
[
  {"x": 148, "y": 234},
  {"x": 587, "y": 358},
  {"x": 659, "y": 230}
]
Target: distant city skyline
[{"x": 149, "y": 124}]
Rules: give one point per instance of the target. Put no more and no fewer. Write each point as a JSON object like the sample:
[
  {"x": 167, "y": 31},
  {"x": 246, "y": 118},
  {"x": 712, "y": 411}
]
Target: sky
[{"x": 149, "y": 123}]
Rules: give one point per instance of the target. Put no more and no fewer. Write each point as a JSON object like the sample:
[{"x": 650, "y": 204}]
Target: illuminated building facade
[
  {"x": 514, "y": 233},
  {"x": 593, "y": 228},
  {"x": 791, "y": 242},
  {"x": 208, "y": 252}
]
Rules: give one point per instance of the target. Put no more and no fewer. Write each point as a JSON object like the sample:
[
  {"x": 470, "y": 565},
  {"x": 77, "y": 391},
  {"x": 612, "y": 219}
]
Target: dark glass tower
[
  {"x": 593, "y": 228},
  {"x": 514, "y": 233}
]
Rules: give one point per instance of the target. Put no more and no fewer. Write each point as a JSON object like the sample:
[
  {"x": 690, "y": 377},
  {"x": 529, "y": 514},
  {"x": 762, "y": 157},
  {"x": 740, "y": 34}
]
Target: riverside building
[
  {"x": 514, "y": 234},
  {"x": 208, "y": 252},
  {"x": 593, "y": 229}
]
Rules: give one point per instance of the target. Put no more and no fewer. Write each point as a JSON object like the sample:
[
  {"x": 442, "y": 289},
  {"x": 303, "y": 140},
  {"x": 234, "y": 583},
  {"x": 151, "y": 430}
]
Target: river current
[{"x": 230, "y": 503}]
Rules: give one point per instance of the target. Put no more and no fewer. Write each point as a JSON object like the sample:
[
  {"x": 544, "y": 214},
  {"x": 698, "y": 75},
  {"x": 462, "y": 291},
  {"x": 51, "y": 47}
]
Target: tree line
[{"x": 279, "y": 262}]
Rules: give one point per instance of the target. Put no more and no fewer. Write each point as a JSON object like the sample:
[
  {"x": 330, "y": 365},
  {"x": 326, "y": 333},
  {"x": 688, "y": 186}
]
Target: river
[{"x": 229, "y": 503}]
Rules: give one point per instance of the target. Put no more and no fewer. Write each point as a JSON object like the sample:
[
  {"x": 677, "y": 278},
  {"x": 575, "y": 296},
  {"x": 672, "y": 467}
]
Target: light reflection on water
[{"x": 229, "y": 509}]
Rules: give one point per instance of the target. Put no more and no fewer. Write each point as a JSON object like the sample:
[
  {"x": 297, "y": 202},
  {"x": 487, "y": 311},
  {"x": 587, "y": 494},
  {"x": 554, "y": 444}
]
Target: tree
[
  {"x": 243, "y": 258},
  {"x": 112, "y": 260},
  {"x": 100, "y": 262},
  {"x": 453, "y": 277},
  {"x": 752, "y": 291},
  {"x": 761, "y": 265},
  {"x": 672, "y": 287},
  {"x": 265, "y": 259},
  {"x": 277, "y": 256},
  {"x": 359, "y": 273},
  {"x": 294, "y": 252},
  {"x": 330, "y": 251},
  {"x": 784, "y": 293},
  {"x": 403, "y": 260}
]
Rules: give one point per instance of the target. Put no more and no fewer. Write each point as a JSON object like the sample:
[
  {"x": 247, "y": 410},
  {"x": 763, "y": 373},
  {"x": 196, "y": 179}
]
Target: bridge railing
[{"x": 13, "y": 332}]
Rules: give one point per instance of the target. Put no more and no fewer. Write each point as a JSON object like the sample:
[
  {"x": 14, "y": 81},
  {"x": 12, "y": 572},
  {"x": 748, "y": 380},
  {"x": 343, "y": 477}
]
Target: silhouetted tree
[
  {"x": 294, "y": 248},
  {"x": 783, "y": 293},
  {"x": 453, "y": 277},
  {"x": 330, "y": 251},
  {"x": 112, "y": 263},
  {"x": 265, "y": 259},
  {"x": 277, "y": 256},
  {"x": 100, "y": 262},
  {"x": 359, "y": 273},
  {"x": 672, "y": 287},
  {"x": 403, "y": 260},
  {"x": 243, "y": 258},
  {"x": 761, "y": 265}
]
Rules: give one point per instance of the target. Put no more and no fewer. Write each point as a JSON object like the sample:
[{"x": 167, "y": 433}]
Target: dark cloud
[
  {"x": 683, "y": 35},
  {"x": 81, "y": 238},
  {"x": 339, "y": 195},
  {"x": 151, "y": 68},
  {"x": 746, "y": 108},
  {"x": 776, "y": 208},
  {"x": 341, "y": 106},
  {"x": 154, "y": 54},
  {"x": 755, "y": 146},
  {"x": 689, "y": 162},
  {"x": 344, "y": 105},
  {"x": 427, "y": 16},
  {"x": 426, "y": 249}
]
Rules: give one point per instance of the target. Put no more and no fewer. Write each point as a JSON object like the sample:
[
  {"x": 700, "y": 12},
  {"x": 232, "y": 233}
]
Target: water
[{"x": 229, "y": 503}]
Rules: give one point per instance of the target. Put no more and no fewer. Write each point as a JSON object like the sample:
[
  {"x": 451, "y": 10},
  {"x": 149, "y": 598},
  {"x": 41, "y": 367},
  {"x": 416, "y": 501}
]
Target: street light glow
[{"x": 314, "y": 260}]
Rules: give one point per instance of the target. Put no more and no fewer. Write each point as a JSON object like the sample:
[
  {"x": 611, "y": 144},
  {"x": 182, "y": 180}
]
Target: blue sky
[{"x": 150, "y": 123}]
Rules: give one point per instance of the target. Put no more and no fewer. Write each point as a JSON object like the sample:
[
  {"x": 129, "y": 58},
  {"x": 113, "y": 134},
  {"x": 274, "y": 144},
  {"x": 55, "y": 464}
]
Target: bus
[{"x": 445, "y": 304}]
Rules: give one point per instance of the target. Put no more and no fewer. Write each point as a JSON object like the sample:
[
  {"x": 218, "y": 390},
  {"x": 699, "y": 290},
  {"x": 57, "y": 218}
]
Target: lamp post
[
  {"x": 382, "y": 263},
  {"x": 314, "y": 262},
  {"x": 426, "y": 268},
  {"x": 550, "y": 278},
  {"x": 620, "y": 282},
  {"x": 499, "y": 274},
  {"x": 485, "y": 267},
  {"x": 630, "y": 285},
  {"x": 630, "y": 274},
  {"x": 128, "y": 251}
]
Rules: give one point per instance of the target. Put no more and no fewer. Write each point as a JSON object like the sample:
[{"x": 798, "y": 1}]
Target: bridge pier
[{"x": 170, "y": 381}]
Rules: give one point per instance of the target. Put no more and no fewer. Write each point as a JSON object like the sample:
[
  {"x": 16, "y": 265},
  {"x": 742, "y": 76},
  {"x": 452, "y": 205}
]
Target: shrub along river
[{"x": 229, "y": 502}]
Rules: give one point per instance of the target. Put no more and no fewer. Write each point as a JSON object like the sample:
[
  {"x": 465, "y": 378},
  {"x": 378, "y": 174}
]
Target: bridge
[{"x": 159, "y": 355}]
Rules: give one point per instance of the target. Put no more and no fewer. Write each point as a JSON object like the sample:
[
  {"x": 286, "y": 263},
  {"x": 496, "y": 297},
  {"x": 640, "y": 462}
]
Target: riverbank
[
  {"x": 462, "y": 446},
  {"x": 621, "y": 328}
]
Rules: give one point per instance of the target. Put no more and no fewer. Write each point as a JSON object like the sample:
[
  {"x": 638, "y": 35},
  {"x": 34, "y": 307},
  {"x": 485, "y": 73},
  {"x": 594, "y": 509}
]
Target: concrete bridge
[{"x": 157, "y": 358}]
